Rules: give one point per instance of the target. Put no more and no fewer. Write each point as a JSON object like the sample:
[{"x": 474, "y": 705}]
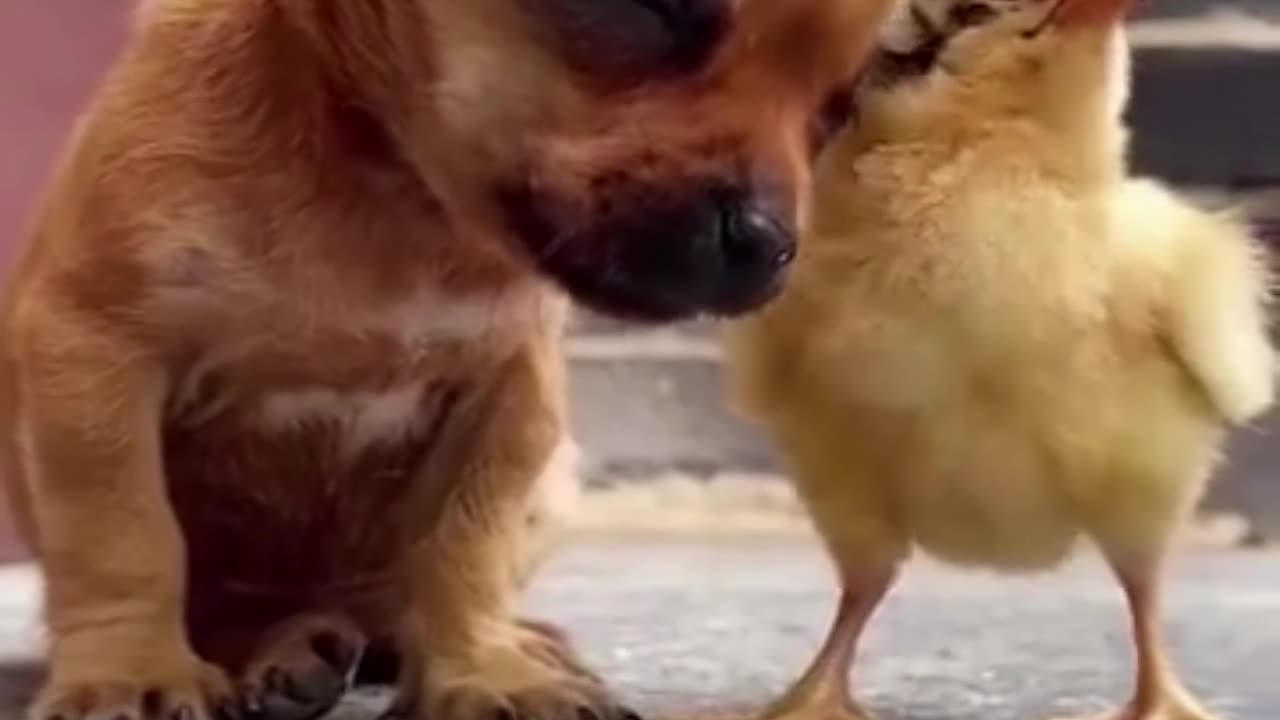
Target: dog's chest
[
  {"x": 351, "y": 388},
  {"x": 363, "y": 419},
  {"x": 319, "y": 427},
  {"x": 366, "y": 371}
]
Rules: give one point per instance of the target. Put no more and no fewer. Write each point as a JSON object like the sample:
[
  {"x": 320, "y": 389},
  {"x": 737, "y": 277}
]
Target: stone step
[
  {"x": 643, "y": 408},
  {"x": 1241, "y": 24},
  {"x": 1193, "y": 9},
  {"x": 645, "y": 402}
]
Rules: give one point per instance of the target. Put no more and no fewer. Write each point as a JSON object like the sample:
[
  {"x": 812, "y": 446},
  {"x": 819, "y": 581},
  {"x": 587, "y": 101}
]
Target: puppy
[
  {"x": 997, "y": 342},
  {"x": 279, "y": 366}
]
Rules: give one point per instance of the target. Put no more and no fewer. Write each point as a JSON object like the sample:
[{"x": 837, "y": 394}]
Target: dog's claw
[
  {"x": 137, "y": 694},
  {"x": 152, "y": 704}
]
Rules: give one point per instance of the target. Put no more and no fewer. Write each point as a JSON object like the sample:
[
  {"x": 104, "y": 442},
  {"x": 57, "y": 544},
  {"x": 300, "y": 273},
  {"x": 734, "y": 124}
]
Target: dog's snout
[{"x": 660, "y": 256}]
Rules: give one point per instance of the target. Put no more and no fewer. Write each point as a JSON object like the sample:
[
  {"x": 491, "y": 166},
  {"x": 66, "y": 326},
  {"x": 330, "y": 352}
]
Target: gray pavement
[
  {"x": 691, "y": 626},
  {"x": 682, "y": 626}
]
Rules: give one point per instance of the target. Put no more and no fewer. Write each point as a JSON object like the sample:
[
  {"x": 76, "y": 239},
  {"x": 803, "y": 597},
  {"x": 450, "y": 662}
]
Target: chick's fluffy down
[{"x": 992, "y": 340}]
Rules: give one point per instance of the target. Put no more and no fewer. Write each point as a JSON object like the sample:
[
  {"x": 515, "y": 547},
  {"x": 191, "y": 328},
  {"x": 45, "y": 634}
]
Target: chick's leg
[
  {"x": 841, "y": 485},
  {"x": 1158, "y": 693},
  {"x": 822, "y": 692}
]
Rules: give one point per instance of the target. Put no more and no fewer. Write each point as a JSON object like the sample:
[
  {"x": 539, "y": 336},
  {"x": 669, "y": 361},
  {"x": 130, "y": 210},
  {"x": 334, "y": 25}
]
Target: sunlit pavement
[{"x": 690, "y": 626}]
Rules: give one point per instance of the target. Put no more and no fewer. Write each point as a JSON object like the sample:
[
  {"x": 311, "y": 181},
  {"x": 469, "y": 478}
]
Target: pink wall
[{"x": 52, "y": 52}]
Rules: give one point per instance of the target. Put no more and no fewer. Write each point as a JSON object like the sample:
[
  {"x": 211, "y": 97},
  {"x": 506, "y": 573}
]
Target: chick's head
[{"x": 1059, "y": 63}]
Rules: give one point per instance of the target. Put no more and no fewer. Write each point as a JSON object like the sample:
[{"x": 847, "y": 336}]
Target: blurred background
[{"x": 648, "y": 405}]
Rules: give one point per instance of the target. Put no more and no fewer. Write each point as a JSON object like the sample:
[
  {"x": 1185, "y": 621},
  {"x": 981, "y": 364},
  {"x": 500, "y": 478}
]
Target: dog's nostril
[
  {"x": 752, "y": 239},
  {"x": 785, "y": 256}
]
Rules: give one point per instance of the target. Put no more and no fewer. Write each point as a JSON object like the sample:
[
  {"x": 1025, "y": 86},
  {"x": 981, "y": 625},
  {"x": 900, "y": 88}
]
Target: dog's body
[
  {"x": 996, "y": 343},
  {"x": 280, "y": 368},
  {"x": 300, "y": 387}
]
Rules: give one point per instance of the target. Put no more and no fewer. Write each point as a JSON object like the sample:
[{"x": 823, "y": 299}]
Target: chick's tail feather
[{"x": 1217, "y": 296}]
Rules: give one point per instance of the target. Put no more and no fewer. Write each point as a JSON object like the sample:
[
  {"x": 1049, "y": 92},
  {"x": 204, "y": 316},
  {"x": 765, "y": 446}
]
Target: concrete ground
[{"x": 687, "y": 626}]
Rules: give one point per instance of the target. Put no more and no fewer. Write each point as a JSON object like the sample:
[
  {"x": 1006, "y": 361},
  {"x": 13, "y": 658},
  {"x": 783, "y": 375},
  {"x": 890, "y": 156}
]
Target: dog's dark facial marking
[
  {"x": 836, "y": 112},
  {"x": 657, "y": 253},
  {"x": 969, "y": 14},
  {"x": 627, "y": 41},
  {"x": 895, "y": 65},
  {"x": 891, "y": 66}
]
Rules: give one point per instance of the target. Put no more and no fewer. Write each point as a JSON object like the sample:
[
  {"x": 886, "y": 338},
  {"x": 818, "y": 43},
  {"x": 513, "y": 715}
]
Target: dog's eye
[
  {"x": 693, "y": 26},
  {"x": 635, "y": 37},
  {"x": 969, "y": 14}
]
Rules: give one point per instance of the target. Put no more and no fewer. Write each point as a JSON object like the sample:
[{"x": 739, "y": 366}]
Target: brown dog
[{"x": 280, "y": 363}]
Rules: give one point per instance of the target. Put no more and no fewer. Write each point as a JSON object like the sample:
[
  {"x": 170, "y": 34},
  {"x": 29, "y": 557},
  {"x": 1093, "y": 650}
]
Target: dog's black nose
[
  {"x": 753, "y": 242},
  {"x": 722, "y": 252},
  {"x": 753, "y": 247}
]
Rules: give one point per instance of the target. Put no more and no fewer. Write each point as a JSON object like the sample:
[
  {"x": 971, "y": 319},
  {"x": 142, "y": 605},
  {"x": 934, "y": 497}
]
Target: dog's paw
[
  {"x": 532, "y": 674},
  {"x": 302, "y": 668},
  {"x": 165, "y": 689}
]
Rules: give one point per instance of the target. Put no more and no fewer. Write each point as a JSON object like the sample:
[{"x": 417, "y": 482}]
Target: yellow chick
[{"x": 995, "y": 343}]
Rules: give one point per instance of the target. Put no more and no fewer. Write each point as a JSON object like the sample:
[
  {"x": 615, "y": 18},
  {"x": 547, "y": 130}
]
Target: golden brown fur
[
  {"x": 279, "y": 370},
  {"x": 995, "y": 342}
]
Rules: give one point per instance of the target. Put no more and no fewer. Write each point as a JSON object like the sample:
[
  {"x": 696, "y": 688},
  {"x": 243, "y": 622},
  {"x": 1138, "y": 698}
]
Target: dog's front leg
[
  {"x": 87, "y": 425},
  {"x": 468, "y": 656}
]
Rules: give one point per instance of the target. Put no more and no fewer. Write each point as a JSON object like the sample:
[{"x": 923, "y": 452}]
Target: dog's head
[{"x": 651, "y": 156}]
